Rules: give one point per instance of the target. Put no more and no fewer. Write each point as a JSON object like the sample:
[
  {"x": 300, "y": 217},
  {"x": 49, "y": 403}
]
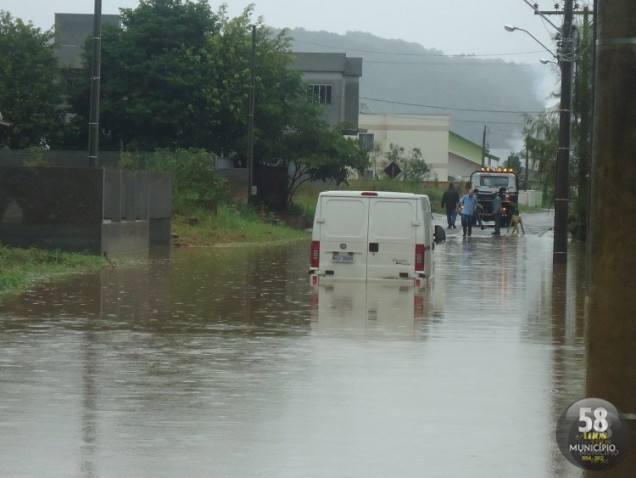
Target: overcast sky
[{"x": 452, "y": 26}]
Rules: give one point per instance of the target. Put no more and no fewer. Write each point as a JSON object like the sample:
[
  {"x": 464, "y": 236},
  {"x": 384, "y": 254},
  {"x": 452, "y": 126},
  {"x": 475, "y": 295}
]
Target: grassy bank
[
  {"x": 20, "y": 268},
  {"x": 230, "y": 225}
]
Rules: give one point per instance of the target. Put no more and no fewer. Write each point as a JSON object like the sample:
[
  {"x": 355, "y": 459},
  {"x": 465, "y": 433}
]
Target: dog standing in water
[{"x": 515, "y": 222}]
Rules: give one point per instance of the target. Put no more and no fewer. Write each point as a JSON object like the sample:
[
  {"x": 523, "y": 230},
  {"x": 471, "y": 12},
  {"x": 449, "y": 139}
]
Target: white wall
[{"x": 427, "y": 132}]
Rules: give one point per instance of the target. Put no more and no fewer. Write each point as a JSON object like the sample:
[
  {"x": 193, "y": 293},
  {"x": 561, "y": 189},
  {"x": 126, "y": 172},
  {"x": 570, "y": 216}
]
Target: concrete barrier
[{"x": 84, "y": 209}]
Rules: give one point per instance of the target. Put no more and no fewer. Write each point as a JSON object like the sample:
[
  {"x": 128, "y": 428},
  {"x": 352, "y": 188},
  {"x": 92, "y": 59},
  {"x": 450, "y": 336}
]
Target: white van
[{"x": 372, "y": 235}]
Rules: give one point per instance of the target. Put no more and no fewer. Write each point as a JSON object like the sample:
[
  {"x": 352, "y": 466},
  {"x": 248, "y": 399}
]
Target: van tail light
[
  {"x": 419, "y": 257},
  {"x": 315, "y": 253}
]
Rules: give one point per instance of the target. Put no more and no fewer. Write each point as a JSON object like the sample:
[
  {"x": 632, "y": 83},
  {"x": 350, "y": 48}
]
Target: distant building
[
  {"x": 464, "y": 157},
  {"x": 448, "y": 155},
  {"x": 333, "y": 80}
]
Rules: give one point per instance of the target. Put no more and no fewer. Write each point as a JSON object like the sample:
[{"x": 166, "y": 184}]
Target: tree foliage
[
  {"x": 177, "y": 75},
  {"x": 542, "y": 141},
  {"x": 514, "y": 163},
  {"x": 195, "y": 181},
  {"x": 156, "y": 82},
  {"x": 29, "y": 86},
  {"x": 411, "y": 163},
  {"x": 313, "y": 151}
]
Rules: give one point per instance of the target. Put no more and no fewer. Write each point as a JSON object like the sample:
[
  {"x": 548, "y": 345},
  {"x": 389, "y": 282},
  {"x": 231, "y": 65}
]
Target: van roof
[{"x": 382, "y": 194}]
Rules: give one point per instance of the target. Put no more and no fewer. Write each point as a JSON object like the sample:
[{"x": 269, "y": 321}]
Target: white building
[{"x": 448, "y": 155}]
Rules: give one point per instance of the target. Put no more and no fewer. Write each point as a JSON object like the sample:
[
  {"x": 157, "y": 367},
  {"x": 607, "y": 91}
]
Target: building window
[
  {"x": 319, "y": 94},
  {"x": 367, "y": 140}
]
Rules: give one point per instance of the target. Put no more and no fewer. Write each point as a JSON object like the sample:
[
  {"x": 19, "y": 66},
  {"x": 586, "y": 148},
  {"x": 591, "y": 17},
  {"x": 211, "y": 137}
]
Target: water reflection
[
  {"x": 225, "y": 362},
  {"x": 381, "y": 310}
]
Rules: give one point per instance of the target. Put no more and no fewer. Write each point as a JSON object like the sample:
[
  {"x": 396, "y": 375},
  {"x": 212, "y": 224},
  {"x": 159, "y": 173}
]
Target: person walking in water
[
  {"x": 468, "y": 203},
  {"x": 479, "y": 210},
  {"x": 450, "y": 199},
  {"x": 497, "y": 210}
]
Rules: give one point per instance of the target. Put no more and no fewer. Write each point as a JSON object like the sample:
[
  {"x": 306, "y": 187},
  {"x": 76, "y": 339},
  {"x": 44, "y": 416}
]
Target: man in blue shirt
[{"x": 468, "y": 202}]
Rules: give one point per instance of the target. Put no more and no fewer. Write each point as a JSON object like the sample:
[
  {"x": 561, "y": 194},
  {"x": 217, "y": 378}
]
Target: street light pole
[
  {"x": 561, "y": 209},
  {"x": 565, "y": 59}
]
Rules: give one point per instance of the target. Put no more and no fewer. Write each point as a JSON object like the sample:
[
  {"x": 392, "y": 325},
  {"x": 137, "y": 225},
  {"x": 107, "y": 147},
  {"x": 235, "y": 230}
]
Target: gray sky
[{"x": 452, "y": 26}]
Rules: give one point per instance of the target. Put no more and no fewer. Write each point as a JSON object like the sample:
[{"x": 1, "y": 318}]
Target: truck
[{"x": 491, "y": 181}]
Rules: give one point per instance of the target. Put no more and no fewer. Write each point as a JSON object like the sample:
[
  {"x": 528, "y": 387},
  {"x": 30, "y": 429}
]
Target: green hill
[{"x": 403, "y": 77}]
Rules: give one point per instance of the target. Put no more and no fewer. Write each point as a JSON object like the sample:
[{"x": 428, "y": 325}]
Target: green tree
[
  {"x": 542, "y": 139},
  {"x": 157, "y": 81},
  {"x": 30, "y": 93},
  {"x": 277, "y": 88},
  {"x": 313, "y": 151},
  {"x": 411, "y": 163},
  {"x": 195, "y": 181},
  {"x": 513, "y": 162},
  {"x": 177, "y": 75}
]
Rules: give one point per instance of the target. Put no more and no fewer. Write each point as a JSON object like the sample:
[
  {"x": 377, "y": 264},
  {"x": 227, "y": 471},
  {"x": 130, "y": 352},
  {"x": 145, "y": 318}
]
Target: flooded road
[{"x": 224, "y": 362}]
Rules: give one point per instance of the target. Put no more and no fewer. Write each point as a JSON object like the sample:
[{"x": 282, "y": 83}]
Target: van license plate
[{"x": 342, "y": 258}]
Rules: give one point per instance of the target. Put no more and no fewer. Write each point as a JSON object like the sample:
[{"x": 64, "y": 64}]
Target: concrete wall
[
  {"x": 51, "y": 208},
  {"x": 531, "y": 198},
  {"x": 62, "y": 159},
  {"x": 84, "y": 209}
]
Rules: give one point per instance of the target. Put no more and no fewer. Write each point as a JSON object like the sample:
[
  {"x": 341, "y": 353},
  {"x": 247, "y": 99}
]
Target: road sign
[{"x": 392, "y": 170}]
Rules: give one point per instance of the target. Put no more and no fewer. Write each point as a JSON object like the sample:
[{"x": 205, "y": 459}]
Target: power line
[
  {"x": 464, "y": 65},
  {"x": 467, "y": 56},
  {"x": 449, "y": 108}
]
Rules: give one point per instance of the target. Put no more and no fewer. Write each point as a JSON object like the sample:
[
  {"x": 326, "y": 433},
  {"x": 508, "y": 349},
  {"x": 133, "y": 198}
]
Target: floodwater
[{"x": 223, "y": 362}]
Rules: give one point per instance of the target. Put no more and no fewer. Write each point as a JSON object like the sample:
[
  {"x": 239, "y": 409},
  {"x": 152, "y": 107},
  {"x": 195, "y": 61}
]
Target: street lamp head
[{"x": 512, "y": 28}]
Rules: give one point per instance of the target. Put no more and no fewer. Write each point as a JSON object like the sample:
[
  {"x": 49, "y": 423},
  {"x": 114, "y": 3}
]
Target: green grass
[
  {"x": 230, "y": 225},
  {"x": 306, "y": 196},
  {"x": 20, "y": 268}
]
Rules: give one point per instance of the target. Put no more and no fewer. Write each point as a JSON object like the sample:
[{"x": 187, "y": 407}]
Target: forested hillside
[{"x": 401, "y": 77}]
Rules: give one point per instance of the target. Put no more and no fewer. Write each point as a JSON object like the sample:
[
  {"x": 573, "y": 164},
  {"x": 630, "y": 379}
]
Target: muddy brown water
[{"x": 224, "y": 362}]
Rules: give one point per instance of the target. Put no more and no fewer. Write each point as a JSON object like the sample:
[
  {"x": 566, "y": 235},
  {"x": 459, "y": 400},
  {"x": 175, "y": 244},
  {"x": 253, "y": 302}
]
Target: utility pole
[
  {"x": 611, "y": 260},
  {"x": 93, "y": 121},
  {"x": 250, "y": 122},
  {"x": 560, "y": 250},
  {"x": 483, "y": 148},
  {"x": 527, "y": 171}
]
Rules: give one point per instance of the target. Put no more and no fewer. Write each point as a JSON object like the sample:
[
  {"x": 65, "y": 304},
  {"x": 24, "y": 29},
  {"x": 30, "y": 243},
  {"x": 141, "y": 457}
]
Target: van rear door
[
  {"x": 343, "y": 236},
  {"x": 391, "y": 249}
]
